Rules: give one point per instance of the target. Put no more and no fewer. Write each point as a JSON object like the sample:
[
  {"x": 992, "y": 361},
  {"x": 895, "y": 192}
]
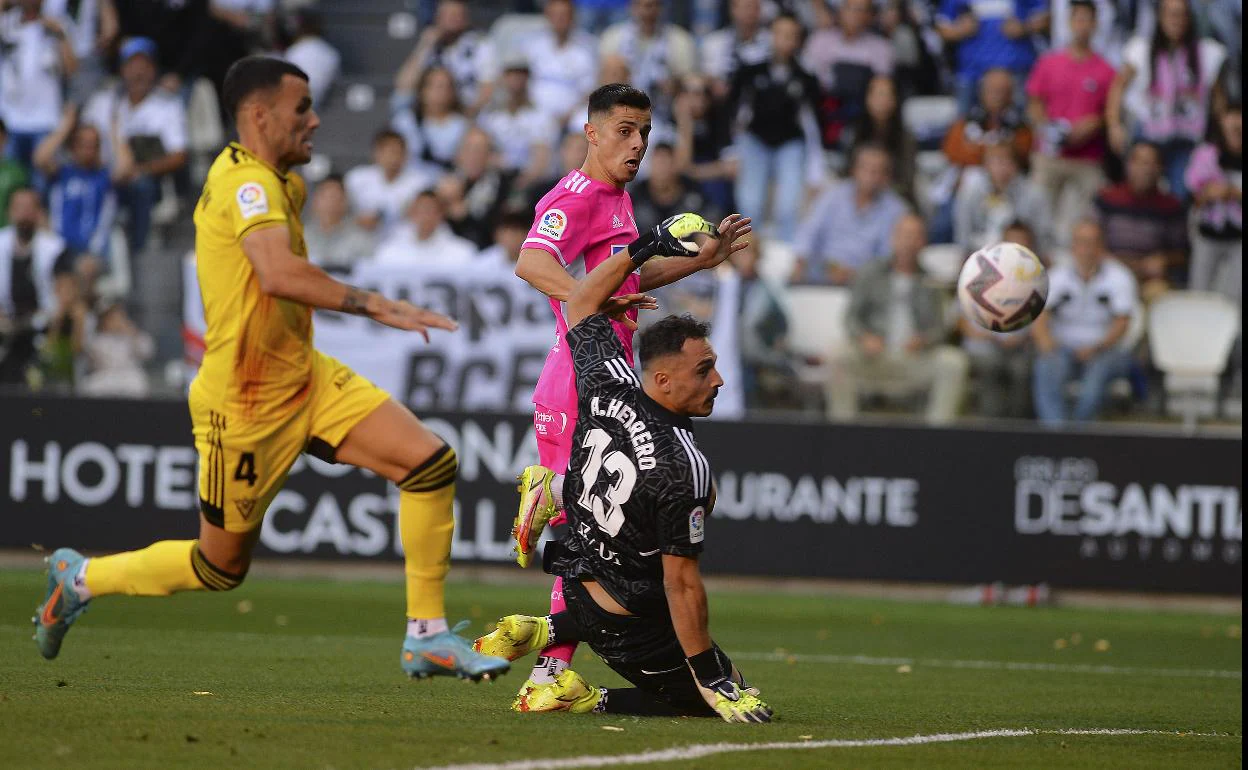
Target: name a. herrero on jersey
[{"x": 643, "y": 442}]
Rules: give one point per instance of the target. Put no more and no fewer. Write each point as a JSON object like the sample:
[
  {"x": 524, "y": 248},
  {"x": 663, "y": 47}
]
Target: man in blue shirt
[
  {"x": 988, "y": 34},
  {"x": 850, "y": 224},
  {"x": 81, "y": 202}
]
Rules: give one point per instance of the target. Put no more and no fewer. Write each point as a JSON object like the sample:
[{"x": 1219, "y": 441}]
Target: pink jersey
[{"x": 580, "y": 222}]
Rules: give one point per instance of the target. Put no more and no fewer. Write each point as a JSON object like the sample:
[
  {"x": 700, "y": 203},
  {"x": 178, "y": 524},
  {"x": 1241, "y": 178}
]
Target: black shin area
[
  {"x": 565, "y": 628},
  {"x": 638, "y": 702}
]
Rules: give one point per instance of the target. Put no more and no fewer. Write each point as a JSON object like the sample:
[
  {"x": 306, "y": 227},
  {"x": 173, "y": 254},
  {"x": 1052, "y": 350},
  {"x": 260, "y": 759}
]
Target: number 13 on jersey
[{"x": 607, "y": 508}]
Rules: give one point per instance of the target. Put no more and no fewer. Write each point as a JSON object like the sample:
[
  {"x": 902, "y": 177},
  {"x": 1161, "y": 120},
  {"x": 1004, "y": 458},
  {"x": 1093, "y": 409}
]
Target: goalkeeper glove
[
  {"x": 713, "y": 672},
  {"x": 671, "y": 238}
]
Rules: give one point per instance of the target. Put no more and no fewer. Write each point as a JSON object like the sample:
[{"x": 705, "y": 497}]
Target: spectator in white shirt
[
  {"x": 92, "y": 27},
  {"x": 313, "y": 55},
  {"x": 659, "y": 54},
  {"x": 379, "y": 193},
  {"x": 427, "y": 113},
  {"x": 35, "y": 56},
  {"x": 425, "y": 238},
  {"x": 523, "y": 134},
  {"x": 116, "y": 350},
  {"x": 151, "y": 122},
  {"x": 449, "y": 43},
  {"x": 333, "y": 240},
  {"x": 1078, "y": 335},
  {"x": 563, "y": 62},
  {"x": 746, "y": 42}
]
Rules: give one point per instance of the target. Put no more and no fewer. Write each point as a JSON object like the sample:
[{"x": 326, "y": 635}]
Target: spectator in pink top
[
  {"x": 1215, "y": 176},
  {"x": 1162, "y": 91},
  {"x": 1067, "y": 93},
  {"x": 844, "y": 59}
]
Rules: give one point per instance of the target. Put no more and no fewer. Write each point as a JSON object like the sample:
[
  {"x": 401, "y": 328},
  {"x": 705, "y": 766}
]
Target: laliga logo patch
[
  {"x": 251, "y": 200},
  {"x": 697, "y": 525},
  {"x": 553, "y": 224}
]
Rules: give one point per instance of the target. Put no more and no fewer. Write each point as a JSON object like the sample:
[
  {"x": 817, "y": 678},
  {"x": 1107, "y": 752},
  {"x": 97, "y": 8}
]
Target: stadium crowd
[{"x": 876, "y": 143}]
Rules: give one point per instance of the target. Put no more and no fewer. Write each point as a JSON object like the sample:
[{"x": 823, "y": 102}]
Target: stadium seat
[
  {"x": 116, "y": 282},
  {"x": 777, "y": 260},
  {"x": 346, "y": 130},
  {"x": 1190, "y": 337},
  {"x": 511, "y": 30},
  {"x": 817, "y": 321},
  {"x": 942, "y": 262},
  {"x": 367, "y": 47},
  {"x": 928, "y": 118}
]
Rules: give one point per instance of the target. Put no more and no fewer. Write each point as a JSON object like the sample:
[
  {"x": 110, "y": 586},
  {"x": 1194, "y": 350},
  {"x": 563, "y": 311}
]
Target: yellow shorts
[{"x": 242, "y": 465}]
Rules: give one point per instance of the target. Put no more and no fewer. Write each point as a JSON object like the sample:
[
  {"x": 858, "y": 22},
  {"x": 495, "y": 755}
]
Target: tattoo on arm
[{"x": 355, "y": 301}]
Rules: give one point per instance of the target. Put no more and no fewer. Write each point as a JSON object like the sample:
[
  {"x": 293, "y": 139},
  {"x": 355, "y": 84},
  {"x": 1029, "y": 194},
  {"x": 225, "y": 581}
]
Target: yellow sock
[
  {"x": 160, "y": 569},
  {"x": 426, "y": 524}
]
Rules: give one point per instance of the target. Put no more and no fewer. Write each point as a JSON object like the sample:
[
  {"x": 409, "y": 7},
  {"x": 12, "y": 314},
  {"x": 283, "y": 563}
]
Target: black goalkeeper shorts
[{"x": 645, "y": 651}]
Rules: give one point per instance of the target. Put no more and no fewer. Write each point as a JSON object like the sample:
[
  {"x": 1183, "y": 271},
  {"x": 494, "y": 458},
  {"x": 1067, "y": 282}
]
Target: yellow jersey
[{"x": 258, "y": 349}]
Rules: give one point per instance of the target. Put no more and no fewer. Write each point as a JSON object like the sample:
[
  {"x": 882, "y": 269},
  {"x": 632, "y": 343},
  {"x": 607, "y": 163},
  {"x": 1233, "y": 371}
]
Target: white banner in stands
[{"x": 492, "y": 363}]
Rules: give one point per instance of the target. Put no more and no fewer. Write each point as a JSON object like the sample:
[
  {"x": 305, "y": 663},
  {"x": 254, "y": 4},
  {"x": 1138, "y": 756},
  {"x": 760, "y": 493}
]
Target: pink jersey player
[{"x": 580, "y": 222}]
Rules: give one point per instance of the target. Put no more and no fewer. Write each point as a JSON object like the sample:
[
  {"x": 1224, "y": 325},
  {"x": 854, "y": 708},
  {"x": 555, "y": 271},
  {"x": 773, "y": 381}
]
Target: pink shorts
[{"x": 554, "y": 429}]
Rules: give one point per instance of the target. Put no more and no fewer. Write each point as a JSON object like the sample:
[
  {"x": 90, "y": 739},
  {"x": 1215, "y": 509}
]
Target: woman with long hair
[
  {"x": 881, "y": 123},
  {"x": 1215, "y": 177},
  {"x": 1162, "y": 91},
  {"x": 425, "y": 109}
]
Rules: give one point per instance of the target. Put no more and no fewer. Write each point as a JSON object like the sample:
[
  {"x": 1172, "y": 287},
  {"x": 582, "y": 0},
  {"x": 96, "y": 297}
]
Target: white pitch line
[
  {"x": 992, "y": 665},
  {"x": 698, "y": 750}
]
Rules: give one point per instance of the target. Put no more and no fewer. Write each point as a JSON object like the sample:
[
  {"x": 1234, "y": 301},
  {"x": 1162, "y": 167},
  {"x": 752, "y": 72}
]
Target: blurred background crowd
[{"x": 877, "y": 143}]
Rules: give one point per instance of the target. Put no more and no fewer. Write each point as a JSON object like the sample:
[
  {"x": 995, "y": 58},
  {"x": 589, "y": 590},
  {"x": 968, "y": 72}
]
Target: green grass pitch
[{"x": 308, "y": 677}]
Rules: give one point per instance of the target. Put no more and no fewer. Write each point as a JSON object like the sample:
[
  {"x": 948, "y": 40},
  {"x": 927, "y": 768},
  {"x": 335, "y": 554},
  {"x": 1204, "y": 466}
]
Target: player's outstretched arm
[
  {"x": 722, "y": 687},
  {"x": 660, "y": 272},
  {"x": 283, "y": 274}
]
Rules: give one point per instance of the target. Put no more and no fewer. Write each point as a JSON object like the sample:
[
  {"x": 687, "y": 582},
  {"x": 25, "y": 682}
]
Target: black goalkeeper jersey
[{"x": 636, "y": 486}]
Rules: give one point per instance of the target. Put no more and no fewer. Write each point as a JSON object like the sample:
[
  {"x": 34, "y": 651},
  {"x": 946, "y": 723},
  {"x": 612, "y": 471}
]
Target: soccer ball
[{"x": 1003, "y": 288}]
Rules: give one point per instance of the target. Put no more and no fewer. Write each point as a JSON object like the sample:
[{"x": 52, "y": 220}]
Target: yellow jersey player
[{"x": 264, "y": 394}]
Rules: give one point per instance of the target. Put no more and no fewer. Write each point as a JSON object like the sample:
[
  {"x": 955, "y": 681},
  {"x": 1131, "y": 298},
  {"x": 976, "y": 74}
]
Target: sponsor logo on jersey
[
  {"x": 251, "y": 200},
  {"x": 549, "y": 423},
  {"x": 697, "y": 525},
  {"x": 552, "y": 224},
  {"x": 615, "y": 222}
]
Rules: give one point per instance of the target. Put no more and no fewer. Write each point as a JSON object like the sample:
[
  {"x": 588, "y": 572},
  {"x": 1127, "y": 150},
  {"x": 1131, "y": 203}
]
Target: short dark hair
[
  {"x": 254, "y": 73},
  {"x": 1156, "y": 148},
  {"x": 604, "y": 98},
  {"x": 870, "y": 146},
  {"x": 387, "y": 134},
  {"x": 1085, "y": 4},
  {"x": 334, "y": 178},
  {"x": 667, "y": 336},
  {"x": 1021, "y": 226},
  {"x": 514, "y": 219}
]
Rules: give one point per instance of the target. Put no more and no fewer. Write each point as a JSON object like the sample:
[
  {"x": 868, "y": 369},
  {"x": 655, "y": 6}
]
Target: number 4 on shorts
[{"x": 246, "y": 470}]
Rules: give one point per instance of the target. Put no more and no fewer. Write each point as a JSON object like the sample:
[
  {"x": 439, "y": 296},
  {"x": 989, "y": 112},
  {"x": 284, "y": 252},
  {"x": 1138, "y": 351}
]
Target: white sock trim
[
  {"x": 80, "y": 581},
  {"x": 556, "y": 490},
  {"x": 419, "y": 628}
]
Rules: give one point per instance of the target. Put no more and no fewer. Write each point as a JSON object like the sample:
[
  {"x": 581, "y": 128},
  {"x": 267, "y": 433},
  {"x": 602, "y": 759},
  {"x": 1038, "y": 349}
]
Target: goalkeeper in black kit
[{"x": 638, "y": 495}]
